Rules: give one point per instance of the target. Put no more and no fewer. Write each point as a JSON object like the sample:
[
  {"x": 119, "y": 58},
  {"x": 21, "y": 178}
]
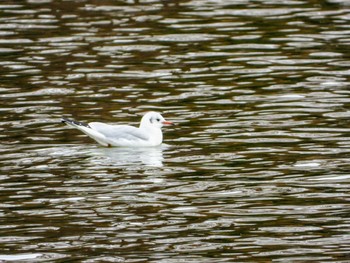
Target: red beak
[{"x": 167, "y": 123}]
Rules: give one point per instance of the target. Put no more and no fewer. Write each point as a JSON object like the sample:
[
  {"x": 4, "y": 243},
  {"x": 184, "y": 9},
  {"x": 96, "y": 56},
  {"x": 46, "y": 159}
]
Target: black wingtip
[
  {"x": 67, "y": 121},
  {"x": 73, "y": 122}
]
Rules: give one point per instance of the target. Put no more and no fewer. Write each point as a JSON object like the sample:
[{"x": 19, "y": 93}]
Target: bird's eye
[{"x": 158, "y": 120}]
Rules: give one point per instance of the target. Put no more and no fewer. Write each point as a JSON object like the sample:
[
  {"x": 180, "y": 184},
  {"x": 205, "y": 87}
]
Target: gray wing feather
[{"x": 116, "y": 132}]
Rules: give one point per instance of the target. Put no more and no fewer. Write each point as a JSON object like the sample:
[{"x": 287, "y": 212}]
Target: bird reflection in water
[{"x": 150, "y": 156}]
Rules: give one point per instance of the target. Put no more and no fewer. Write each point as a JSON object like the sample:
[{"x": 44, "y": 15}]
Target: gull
[{"x": 149, "y": 133}]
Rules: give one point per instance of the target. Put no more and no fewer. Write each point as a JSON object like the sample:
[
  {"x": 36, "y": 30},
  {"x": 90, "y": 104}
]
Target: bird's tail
[{"x": 86, "y": 128}]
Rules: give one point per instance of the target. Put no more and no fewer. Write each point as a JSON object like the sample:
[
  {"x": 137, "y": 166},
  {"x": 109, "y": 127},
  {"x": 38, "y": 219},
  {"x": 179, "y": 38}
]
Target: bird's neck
[{"x": 155, "y": 133}]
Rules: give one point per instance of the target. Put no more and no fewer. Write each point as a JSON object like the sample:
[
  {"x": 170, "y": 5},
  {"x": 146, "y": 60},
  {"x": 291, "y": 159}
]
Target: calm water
[{"x": 256, "y": 169}]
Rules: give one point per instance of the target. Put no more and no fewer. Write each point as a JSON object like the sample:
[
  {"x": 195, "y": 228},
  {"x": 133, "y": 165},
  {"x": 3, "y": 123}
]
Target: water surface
[{"x": 256, "y": 168}]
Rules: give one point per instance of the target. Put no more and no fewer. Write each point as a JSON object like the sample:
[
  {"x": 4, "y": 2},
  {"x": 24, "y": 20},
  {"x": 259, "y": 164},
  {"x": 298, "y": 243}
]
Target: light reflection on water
[
  {"x": 117, "y": 156},
  {"x": 256, "y": 168}
]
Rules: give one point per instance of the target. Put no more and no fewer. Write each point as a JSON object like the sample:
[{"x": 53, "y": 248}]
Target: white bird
[{"x": 149, "y": 132}]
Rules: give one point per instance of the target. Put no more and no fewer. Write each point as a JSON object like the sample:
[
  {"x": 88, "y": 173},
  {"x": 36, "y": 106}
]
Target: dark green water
[{"x": 256, "y": 169}]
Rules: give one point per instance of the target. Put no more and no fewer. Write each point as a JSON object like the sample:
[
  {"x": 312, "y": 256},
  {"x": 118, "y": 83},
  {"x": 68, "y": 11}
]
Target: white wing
[{"x": 119, "y": 132}]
